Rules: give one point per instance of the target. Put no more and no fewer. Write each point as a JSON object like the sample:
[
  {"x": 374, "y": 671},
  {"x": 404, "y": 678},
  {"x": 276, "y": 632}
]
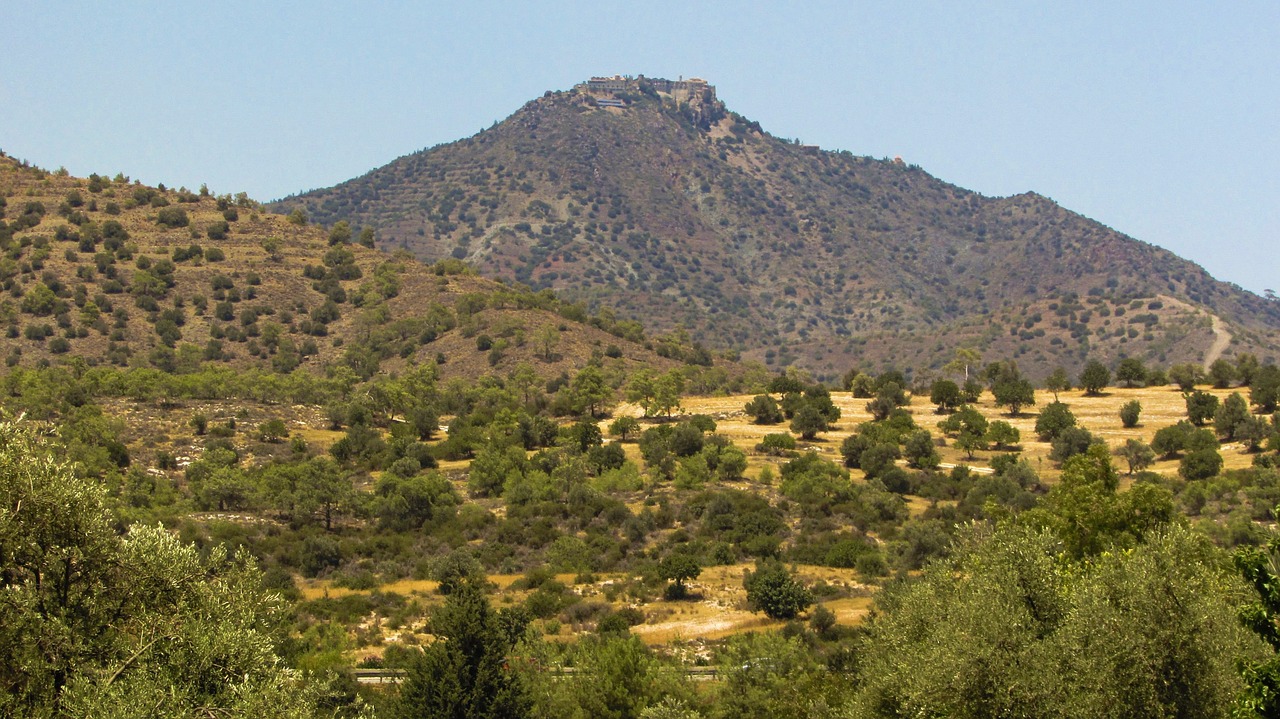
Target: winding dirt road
[{"x": 1221, "y": 339}]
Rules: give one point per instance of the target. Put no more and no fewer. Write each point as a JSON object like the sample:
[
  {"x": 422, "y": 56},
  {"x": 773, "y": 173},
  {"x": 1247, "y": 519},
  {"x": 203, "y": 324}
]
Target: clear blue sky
[{"x": 1160, "y": 119}]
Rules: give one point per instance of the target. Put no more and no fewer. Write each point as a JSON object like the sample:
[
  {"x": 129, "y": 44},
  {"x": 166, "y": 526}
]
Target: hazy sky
[{"x": 1160, "y": 119}]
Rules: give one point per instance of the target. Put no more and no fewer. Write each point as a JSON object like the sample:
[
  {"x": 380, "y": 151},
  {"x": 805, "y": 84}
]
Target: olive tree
[
  {"x": 1095, "y": 377},
  {"x": 678, "y": 568},
  {"x": 1009, "y": 627},
  {"x": 93, "y": 623},
  {"x": 774, "y": 590}
]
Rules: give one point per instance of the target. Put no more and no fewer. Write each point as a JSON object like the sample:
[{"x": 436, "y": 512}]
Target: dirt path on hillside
[
  {"x": 1221, "y": 335},
  {"x": 1221, "y": 340}
]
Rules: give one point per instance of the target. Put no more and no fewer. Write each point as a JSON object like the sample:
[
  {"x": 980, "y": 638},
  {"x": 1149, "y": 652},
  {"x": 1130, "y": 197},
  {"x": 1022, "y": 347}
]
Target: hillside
[
  {"x": 112, "y": 272},
  {"x": 680, "y": 213}
]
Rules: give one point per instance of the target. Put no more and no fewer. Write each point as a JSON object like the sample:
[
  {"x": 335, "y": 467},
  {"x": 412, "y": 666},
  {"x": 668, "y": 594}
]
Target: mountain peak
[{"x": 648, "y": 195}]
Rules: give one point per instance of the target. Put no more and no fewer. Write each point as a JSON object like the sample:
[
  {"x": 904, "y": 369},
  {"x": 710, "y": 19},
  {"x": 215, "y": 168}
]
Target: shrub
[
  {"x": 1053, "y": 419},
  {"x": 172, "y": 217},
  {"x": 1130, "y": 412},
  {"x": 778, "y": 445},
  {"x": 1200, "y": 464},
  {"x": 1070, "y": 442},
  {"x": 1201, "y": 407},
  {"x": 764, "y": 410},
  {"x": 775, "y": 591}
]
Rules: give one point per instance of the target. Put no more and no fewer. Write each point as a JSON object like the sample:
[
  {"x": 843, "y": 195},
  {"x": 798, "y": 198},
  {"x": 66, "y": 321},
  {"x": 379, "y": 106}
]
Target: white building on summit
[{"x": 695, "y": 88}]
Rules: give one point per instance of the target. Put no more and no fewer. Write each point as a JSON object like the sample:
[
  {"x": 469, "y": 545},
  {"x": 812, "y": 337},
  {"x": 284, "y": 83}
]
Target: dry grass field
[
  {"x": 718, "y": 606},
  {"x": 1161, "y": 406}
]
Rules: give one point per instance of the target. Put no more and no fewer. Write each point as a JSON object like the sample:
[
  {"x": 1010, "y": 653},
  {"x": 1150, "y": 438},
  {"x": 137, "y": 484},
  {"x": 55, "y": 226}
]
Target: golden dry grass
[
  {"x": 717, "y": 608},
  {"x": 1161, "y": 407}
]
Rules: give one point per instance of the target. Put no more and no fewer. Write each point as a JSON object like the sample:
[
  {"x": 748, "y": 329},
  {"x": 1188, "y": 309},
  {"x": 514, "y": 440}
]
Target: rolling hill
[
  {"x": 107, "y": 271},
  {"x": 676, "y": 211}
]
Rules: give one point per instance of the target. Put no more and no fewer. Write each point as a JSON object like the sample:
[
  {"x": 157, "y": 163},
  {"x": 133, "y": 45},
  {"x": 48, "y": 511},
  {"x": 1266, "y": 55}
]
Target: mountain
[
  {"x": 650, "y": 196},
  {"x": 104, "y": 271}
]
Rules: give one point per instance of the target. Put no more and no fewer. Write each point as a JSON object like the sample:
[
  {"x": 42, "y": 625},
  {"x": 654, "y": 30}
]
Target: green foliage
[
  {"x": 217, "y": 231},
  {"x": 1013, "y": 392},
  {"x": 889, "y": 396},
  {"x": 1264, "y": 392},
  {"x": 920, "y": 451},
  {"x": 763, "y": 410},
  {"x": 1137, "y": 454},
  {"x": 465, "y": 673},
  {"x": 1247, "y": 367},
  {"x": 1095, "y": 377},
  {"x": 1008, "y": 626},
  {"x": 617, "y": 678},
  {"x": 1087, "y": 513},
  {"x": 878, "y": 459},
  {"x": 1003, "y": 435},
  {"x": 273, "y": 431},
  {"x": 946, "y": 395},
  {"x": 1231, "y": 414},
  {"x": 968, "y": 420},
  {"x": 1201, "y": 407},
  {"x": 624, "y": 427},
  {"x": 1057, "y": 381},
  {"x": 1222, "y": 373},
  {"x": 971, "y": 442},
  {"x": 1130, "y": 412},
  {"x": 1253, "y": 431},
  {"x": 1132, "y": 372},
  {"x": 808, "y": 422},
  {"x": 860, "y": 385},
  {"x": 810, "y": 479},
  {"x": 340, "y": 234},
  {"x": 1171, "y": 440},
  {"x": 772, "y": 675},
  {"x": 656, "y": 394},
  {"x": 1186, "y": 376},
  {"x": 1261, "y": 697},
  {"x": 172, "y": 217},
  {"x": 778, "y": 444},
  {"x": 494, "y": 467},
  {"x": 774, "y": 590},
  {"x": 678, "y": 568},
  {"x": 414, "y": 502},
  {"x": 1071, "y": 442},
  {"x": 95, "y": 624},
  {"x": 1157, "y": 377},
  {"x": 1200, "y": 464}
]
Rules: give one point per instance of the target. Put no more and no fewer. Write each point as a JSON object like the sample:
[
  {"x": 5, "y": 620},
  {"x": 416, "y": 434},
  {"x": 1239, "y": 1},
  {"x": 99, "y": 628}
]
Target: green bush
[
  {"x": 775, "y": 591},
  {"x": 779, "y": 445},
  {"x": 172, "y": 217},
  {"x": 1130, "y": 412}
]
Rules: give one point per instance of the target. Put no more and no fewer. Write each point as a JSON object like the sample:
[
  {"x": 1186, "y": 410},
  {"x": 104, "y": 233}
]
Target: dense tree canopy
[
  {"x": 102, "y": 625},
  {"x": 1007, "y": 628}
]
